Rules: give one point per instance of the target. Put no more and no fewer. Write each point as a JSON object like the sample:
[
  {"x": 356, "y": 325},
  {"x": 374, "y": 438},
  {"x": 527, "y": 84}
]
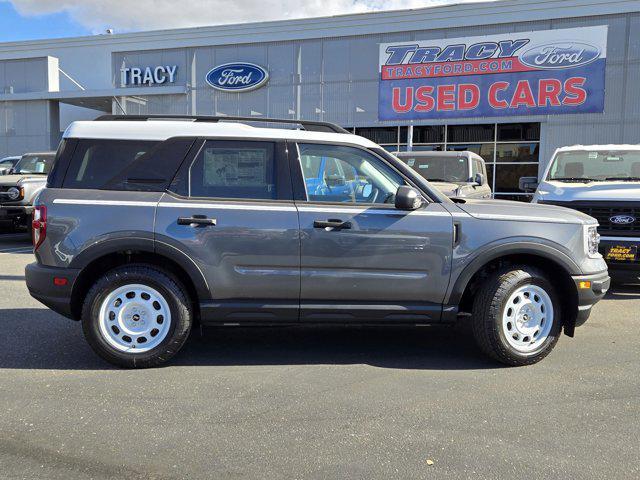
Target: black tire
[
  {"x": 488, "y": 308},
  {"x": 163, "y": 282}
]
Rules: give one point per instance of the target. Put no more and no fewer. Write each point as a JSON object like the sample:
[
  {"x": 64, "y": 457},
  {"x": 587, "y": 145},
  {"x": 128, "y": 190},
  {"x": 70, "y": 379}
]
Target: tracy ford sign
[
  {"x": 148, "y": 75},
  {"x": 522, "y": 73},
  {"x": 237, "y": 77}
]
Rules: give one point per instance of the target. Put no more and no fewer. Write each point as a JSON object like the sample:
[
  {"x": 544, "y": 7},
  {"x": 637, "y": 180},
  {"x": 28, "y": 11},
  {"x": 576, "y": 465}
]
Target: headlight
[
  {"x": 591, "y": 240},
  {"x": 13, "y": 193}
]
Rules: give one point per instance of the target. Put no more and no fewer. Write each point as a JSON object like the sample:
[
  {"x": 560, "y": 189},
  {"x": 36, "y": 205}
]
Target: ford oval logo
[
  {"x": 622, "y": 219},
  {"x": 560, "y": 55},
  {"x": 237, "y": 77}
]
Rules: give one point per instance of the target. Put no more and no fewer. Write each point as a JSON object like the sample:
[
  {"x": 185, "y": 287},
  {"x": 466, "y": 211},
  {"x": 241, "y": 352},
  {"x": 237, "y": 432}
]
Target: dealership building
[{"x": 511, "y": 80}]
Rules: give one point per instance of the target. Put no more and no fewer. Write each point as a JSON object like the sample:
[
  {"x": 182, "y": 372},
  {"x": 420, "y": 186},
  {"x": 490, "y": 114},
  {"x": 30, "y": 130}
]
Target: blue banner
[{"x": 535, "y": 73}]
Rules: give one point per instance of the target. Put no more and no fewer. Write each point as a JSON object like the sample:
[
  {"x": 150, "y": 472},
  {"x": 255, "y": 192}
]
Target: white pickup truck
[{"x": 602, "y": 181}]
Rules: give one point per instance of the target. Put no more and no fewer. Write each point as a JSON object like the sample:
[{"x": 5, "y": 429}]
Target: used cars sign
[
  {"x": 237, "y": 77},
  {"x": 523, "y": 73}
]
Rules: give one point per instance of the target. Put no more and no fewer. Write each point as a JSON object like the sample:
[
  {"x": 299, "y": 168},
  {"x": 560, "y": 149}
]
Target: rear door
[
  {"x": 231, "y": 210},
  {"x": 362, "y": 259}
]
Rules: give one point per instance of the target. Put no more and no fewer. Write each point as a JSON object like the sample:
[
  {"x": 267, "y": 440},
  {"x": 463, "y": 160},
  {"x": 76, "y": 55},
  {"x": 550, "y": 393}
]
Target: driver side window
[{"x": 334, "y": 173}]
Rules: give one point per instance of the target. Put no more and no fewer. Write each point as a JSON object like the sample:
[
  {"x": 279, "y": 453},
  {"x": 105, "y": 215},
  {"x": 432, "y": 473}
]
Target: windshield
[
  {"x": 439, "y": 169},
  {"x": 34, "y": 164},
  {"x": 596, "y": 166}
]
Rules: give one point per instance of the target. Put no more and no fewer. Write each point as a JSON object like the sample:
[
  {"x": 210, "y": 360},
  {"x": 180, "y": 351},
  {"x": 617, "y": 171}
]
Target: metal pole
[{"x": 410, "y": 138}]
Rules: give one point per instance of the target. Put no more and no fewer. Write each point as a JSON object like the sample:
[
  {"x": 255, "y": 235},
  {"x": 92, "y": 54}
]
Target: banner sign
[{"x": 528, "y": 73}]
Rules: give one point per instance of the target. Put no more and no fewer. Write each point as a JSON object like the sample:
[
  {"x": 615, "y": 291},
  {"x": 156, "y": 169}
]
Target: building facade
[{"x": 332, "y": 69}]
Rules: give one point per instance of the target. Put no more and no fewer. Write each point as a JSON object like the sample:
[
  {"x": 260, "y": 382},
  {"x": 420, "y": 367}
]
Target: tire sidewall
[{"x": 180, "y": 316}]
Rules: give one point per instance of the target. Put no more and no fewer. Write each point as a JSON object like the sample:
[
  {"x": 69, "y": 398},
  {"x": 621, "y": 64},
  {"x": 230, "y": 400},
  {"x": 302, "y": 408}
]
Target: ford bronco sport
[{"x": 149, "y": 226}]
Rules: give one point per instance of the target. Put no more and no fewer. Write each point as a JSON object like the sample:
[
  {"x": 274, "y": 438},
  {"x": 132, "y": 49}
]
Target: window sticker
[{"x": 235, "y": 167}]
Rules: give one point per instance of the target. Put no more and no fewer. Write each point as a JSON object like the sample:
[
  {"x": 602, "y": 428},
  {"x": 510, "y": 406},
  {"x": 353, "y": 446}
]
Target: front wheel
[
  {"x": 517, "y": 316},
  {"x": 136, "y": 316}
]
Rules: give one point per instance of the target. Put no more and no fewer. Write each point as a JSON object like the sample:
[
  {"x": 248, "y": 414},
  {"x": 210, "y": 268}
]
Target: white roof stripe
[{"x": 164, "y": 129}]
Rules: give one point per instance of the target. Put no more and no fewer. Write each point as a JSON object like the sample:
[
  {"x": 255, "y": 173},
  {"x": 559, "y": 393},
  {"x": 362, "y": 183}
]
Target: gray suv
[{"x": 147, "y": 227}]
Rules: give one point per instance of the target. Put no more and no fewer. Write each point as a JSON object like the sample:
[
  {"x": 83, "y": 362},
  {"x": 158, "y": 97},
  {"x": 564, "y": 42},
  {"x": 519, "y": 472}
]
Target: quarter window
[
  {"x": 342, "y": 174},
  {"x": 97, "y": 164}
]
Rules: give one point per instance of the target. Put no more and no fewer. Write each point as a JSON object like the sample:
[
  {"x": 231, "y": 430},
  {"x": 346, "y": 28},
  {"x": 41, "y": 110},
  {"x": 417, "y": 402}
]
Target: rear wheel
[
  {"x": 516, "y": 316},
  {"x": 137, "y": 316}
]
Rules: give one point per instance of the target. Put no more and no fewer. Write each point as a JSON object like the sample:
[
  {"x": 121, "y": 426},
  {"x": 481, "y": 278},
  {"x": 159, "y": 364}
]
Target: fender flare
[
  {"x": 143, "y": 242},
  {"x": 494, "y": 251}
]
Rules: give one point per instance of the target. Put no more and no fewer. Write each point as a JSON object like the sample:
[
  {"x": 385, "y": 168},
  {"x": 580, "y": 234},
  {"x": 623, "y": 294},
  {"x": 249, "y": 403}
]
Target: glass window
[
  {"x": 428, "y": 134},
  {"x": 476, "y": 167},
  {"x": 234, "y": 169},
  {"x": 518, "y": 132},
  {"x": 347, "y": 175},
  {"x": 490, "y": 170},
  {"x": 470, "y": 133},
  {"x": 97, "y": 163},
  {"x": 404, "y": 134},
  {"x": 446, "y": 168},
  {"x": 596, "y": 165},
  {"x": 485, "y": 150},
  {"x": 379, "y": 134},
  {"x": 517, "y": 152},
  {"x": 36, "y": 163},
  {"x": 428, "y": 148},
  {"x": 508, "y": 176}
]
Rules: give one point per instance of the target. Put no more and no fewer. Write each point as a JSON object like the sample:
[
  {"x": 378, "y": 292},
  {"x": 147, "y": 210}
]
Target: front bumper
[
  {"x": 40, "y": 282},
  {"x": 15, "y": 213},
  {"x": 591, "y": 289}
]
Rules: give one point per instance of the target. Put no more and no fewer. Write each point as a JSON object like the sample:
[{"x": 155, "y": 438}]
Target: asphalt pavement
[{"x": 315, "y": 403}]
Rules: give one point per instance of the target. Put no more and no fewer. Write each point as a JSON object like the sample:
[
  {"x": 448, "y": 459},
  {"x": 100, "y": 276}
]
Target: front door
[
  {"x": 231, "y": 212},
  {"x": 362, "y": 259}
]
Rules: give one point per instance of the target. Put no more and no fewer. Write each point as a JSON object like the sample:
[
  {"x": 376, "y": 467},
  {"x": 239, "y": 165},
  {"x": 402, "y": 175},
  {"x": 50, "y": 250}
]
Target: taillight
[{"x": 39, "y": 225}]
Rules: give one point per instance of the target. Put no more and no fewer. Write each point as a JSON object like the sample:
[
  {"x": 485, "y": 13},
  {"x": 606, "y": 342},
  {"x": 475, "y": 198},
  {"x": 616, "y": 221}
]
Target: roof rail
[{"x": 310, "y": 125}]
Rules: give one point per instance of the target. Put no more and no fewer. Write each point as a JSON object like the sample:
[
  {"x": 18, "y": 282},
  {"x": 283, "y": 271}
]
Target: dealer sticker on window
[{"x": 622, "y": 253}]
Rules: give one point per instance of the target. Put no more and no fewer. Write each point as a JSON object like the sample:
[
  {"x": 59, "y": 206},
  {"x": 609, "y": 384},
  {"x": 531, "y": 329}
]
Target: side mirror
[
  {"x": 408, "y": 198},
  {"x": 528, "y": 184},
  {"x": 479, "y": 179}
]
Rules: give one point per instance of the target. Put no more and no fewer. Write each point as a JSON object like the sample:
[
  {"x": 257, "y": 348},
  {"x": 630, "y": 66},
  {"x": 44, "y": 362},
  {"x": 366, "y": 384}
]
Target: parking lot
[{"x": 314, "y": 403}]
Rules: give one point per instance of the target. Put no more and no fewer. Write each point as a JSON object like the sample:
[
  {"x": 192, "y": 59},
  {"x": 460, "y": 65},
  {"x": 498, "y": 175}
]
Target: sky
[{"x": 37, "y": 19}]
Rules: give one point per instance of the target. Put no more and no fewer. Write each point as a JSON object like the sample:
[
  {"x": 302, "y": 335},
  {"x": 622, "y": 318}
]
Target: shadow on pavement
[
  {"x": 19, "y": 278},
  {"x": 41, "y": 339},
  {"x": 623, "y": 292}
]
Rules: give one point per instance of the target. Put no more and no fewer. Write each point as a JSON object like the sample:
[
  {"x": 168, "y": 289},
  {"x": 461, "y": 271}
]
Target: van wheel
[
  {"x": 137, "y": 316},
  {"x": 517, "y": 316}
]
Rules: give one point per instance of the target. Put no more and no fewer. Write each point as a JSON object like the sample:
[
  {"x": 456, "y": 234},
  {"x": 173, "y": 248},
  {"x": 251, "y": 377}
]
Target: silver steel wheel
[
  {"x": 134, "y": 318},
  {"x": 527, "y": 318}
]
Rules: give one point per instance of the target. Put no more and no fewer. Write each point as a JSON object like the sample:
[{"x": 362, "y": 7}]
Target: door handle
[
  {"x": 331, "y": 223},
  {"x": 197, "y": 220}
]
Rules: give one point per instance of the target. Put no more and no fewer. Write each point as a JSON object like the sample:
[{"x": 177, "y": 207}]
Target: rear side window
[
  {"x": 234, "y": 169},
  {"x": 136, "y": 165}
]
